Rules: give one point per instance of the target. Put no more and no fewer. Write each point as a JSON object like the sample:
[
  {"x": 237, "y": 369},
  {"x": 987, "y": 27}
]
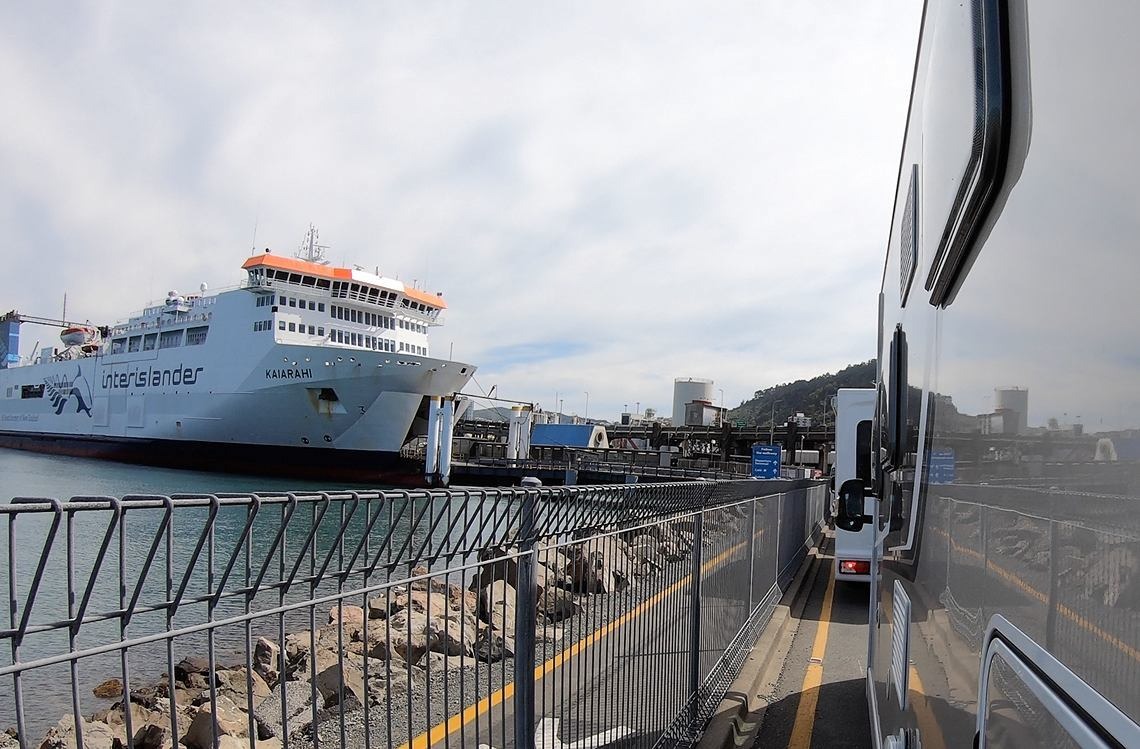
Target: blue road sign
[
  {"x": 766, "y": 461},
  {"x": 941, "y": 466}
]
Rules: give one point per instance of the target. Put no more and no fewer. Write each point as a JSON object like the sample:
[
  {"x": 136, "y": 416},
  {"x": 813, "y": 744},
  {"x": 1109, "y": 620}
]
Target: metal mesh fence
[
  {"x": 497, "y": 617},
  {"x": 1071, "y": 585}
]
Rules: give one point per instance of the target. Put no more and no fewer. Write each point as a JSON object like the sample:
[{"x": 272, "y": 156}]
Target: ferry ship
[{"x": 304, "y": 369}]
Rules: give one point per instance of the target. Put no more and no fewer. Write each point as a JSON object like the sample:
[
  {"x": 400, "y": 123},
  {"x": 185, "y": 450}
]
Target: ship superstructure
[{"x": 305, "y": 367}]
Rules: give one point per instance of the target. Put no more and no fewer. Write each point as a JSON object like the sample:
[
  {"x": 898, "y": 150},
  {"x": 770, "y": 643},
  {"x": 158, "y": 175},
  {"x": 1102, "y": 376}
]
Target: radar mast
[{"x": 311, "y": 250}]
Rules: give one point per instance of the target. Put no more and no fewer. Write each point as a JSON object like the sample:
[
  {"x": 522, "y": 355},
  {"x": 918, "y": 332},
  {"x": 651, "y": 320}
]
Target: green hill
[{"x": 810, "y": 397}]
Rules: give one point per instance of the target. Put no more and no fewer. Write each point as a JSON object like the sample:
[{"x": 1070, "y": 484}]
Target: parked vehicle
[{"x": 854, "y": 412}]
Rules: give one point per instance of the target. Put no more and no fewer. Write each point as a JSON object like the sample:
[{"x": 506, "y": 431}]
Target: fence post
[
  {"x": 695, "y": 613},
  {"x": 1054, "y": 590},
  {"x": 752, "y": 556},
  {"x": 525, "y": 623}
]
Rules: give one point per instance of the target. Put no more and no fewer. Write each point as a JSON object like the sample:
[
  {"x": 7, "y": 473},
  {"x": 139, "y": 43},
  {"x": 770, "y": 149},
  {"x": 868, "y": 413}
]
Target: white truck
[{"x": 854, "y": 413}]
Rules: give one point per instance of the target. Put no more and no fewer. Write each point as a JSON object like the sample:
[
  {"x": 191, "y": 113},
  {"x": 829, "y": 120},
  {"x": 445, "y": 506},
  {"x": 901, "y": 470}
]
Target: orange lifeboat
[{"x": 78, "y": 335}]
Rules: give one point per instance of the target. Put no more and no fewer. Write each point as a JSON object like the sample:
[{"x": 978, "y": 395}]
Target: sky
[{"x": 609, "y": 195}]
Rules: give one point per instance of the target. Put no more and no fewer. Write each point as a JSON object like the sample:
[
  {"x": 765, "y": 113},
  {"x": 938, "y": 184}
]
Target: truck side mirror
[{"x": 849, "y": 515}]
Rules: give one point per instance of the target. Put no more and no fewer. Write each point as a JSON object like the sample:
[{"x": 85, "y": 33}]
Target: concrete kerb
[{"x": 740, "y": 713}]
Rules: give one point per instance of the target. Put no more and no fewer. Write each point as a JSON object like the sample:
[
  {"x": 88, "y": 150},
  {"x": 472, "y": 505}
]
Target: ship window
[
  {"x": 281, "y": 300},
  {"x": 294, "y": 278},
  {"x": 322, "y": 283},
  {"x": 133, "y": 343},
  {"x": 320, "y": 331},
  {"x": 292, "y": 327},
  {"x": 170, "y": 339},
  {"x": 197, "y": 336},
  {"x": 320, "y": 306},
  {"x": 117, "y": 345},
  {"x": 31, "y": 391},
  {"x": 149, "y": 341},
  {"x": 281, "y": 325},
  {"x": 312, "y": 330},
  {"x": 292, "y": 302}
]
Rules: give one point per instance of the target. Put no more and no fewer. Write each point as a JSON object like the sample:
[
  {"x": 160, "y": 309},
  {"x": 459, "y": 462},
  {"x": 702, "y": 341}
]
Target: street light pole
[
  {"x": 772, "y": 425},
  {"x": 586, "y": 413}
]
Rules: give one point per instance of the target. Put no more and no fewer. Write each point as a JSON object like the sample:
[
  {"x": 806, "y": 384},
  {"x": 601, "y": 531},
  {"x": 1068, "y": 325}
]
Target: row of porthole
[
  {"x": 305, "y": 440},
  {"x": 401, "y": 362}
]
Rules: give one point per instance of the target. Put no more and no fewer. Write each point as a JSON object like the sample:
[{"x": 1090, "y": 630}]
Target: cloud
[{"x": 610, "y": 196}]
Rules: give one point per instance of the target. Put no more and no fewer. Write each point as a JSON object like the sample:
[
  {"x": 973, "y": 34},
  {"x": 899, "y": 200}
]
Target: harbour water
[{"x": 25, "y": 474}]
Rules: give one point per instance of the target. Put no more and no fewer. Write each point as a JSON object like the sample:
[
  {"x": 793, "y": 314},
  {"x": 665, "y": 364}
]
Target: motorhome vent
[{"x": 908, "y": 241}]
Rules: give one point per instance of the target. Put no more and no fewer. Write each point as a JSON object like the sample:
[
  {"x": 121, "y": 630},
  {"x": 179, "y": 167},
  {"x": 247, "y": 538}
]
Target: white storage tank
[
  {"x": 686, "y": 390},
  {"x": 1013, "y": 404}
]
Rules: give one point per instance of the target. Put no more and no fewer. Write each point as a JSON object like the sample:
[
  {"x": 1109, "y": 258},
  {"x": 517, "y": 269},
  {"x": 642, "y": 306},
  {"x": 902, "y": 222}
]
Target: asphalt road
[{"x": 820, "y": 699}]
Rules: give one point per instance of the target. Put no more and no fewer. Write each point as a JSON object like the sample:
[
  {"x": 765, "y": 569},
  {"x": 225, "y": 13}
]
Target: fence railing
[{"x": 499, "y": 617}]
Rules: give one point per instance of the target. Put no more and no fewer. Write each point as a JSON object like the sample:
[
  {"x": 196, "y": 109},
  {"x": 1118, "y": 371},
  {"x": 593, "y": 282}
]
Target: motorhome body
[{"x": 1005, "y": 603}]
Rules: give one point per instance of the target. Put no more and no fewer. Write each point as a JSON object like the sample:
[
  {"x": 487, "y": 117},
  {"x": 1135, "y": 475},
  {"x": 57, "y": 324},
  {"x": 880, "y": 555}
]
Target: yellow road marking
[
  {"x": 928, "y": 727},
  {"x": 1029, "y": 590},
  {"x": 458, "y": 721},
  {"x": 809, "y": 690}
]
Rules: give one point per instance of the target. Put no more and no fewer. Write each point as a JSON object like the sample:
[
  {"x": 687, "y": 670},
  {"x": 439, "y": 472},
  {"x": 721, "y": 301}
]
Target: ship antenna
[{"x": 310, "y": 249}]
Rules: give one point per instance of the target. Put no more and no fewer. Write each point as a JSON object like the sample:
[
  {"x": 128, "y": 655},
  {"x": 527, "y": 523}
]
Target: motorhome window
[
  {"x": 965, "y": 111},
  {"x": 134, "y": 343},
  {"x": 31, "y": 391},
  {"x": 149, "y": 341},
  {"x": 170, "y": 339},
  {"x": 117, "y": 345},
  {"x": 863, "y": 452},
  {"x": 197, "y": 336}
]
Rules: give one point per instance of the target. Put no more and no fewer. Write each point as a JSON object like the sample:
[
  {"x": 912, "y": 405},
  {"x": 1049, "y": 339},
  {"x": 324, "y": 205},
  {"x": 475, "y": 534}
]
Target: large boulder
[
  {"x": 452, "y": 634},
  {"x": 497, "y": 606},
  {"x": 154, "y": 736},
  {"x": 109, "y": 689},
  {"x": 267, "y": 660},
  {"x": 351, "y": 615},
  {"x": 187, "y": 668},
  {"x": 238, "y": 683},
  {"x": 491, "y": 647},
  {"x": 96, "y": 735},
  {"x": 409, "y": 636},
  {"x": 342, "y": 680},
  {"x": 230, "y": 719},
  {"x": 556, "y": 604},
  {"x": 298, "y": 702},
  {"x": 645, "y": 553},
  {"x": 596, "y": 572}
]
